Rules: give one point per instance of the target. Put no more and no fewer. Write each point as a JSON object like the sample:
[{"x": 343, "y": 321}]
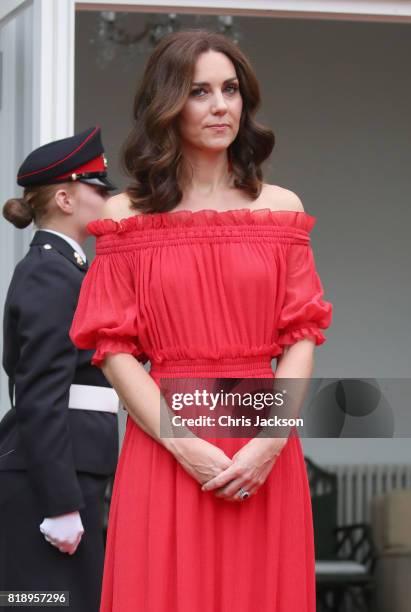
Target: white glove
[{"x": 64, "y": 531}]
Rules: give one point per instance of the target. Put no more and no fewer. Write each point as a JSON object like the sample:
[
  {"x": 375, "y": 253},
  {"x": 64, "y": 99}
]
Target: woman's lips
[{"x": 218, "y": 127}]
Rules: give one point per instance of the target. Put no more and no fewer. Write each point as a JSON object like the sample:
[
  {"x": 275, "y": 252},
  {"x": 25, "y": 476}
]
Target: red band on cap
[{"x": 94, "y": 165}]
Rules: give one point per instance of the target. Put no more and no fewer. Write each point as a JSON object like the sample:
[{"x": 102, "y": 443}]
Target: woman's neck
[
  {"x": 206, "y": 176},
  {"x": 63, "y": 229}
]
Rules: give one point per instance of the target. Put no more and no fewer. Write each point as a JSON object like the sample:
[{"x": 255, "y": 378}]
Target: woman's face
[
  {"x": 215, "y": 98},
  {"x": 88, "y": 203}
]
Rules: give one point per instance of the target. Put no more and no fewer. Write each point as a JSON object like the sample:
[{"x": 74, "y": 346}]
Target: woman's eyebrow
[{"x": 205, "y": 82}]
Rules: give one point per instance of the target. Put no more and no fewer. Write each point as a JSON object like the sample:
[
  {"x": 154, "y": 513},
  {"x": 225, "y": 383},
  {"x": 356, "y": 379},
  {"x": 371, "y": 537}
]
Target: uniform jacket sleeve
[{"x": 42, "y": 381}]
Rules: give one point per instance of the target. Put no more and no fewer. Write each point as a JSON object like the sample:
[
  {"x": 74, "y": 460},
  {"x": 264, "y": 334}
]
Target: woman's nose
[{"x": 218, "y": 102}]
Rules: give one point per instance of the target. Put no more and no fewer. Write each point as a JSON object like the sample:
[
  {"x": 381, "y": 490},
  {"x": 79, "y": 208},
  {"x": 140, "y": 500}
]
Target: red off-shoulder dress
[{"x": 204, "y": 294}]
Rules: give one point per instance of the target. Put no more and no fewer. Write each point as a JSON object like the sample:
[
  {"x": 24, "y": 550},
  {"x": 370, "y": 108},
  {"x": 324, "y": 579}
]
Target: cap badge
[
  {"x": 74, "y": 176},
  {"x": 47, "y": 246},
  {"x": 105, "y": 161}
]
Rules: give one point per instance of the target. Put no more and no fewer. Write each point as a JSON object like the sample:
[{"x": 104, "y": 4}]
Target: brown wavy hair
[{"x": 152, "y": 155}]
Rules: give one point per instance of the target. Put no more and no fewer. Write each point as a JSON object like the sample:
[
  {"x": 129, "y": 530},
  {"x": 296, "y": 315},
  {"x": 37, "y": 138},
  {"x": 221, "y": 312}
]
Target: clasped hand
[
  {"x": 249, "y": 469},
  {"x": 210, "y": 466}
]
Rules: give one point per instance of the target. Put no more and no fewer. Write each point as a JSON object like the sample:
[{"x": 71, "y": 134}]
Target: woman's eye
[{"x": 194, "y": 92}]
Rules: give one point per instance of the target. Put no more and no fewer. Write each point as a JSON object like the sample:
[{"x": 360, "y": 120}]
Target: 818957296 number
[{"x": 34, "y": 598}]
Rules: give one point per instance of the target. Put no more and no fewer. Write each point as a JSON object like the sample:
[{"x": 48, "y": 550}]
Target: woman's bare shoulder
[
  {"x": 118, "y": 207},
  {"x": 280, "y": 198}
]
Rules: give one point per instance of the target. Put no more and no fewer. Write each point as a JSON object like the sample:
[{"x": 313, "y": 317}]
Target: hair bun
[{"x": 18, "y": 212}]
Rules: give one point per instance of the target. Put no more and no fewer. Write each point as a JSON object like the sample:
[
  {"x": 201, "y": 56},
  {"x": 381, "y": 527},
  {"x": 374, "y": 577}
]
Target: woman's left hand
[{"x": 250, "y": 468}]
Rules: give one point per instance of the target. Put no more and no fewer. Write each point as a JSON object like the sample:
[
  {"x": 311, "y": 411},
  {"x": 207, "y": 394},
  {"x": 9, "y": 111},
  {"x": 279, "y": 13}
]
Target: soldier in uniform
[{"x": 59, "y": 440}]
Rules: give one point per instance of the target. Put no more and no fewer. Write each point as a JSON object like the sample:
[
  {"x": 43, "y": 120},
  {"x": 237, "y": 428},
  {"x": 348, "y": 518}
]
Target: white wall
[{"x": 337, "y": 95}]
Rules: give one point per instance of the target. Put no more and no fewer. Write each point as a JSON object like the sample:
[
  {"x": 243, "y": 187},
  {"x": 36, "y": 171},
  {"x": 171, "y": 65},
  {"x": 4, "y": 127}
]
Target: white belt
[{"x": 89, "y": 397}]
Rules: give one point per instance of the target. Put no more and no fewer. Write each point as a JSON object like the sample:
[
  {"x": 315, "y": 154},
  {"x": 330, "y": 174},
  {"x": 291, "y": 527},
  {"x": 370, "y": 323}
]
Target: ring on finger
[{"x": 243, "y": 493}]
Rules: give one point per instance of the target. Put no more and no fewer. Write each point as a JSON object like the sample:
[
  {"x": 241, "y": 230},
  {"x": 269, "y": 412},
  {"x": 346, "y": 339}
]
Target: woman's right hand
[{"x": 201, "y": 459}]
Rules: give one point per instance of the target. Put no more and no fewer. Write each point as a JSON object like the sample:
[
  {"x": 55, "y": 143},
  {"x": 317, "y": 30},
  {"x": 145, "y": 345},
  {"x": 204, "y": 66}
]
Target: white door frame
[
  {"x": 53, "y": 100},
  {"x": 52, "y": 77},
  {"x": 53, "y": 66}
]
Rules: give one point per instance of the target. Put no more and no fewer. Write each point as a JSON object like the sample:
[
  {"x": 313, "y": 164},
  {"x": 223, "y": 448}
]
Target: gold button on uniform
[{"x": 79, "y": 258}]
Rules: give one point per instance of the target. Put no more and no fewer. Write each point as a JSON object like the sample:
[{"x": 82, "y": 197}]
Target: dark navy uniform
[{"x": 53, "y": 460}]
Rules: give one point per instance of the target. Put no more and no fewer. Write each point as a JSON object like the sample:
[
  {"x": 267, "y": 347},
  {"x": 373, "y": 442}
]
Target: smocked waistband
[{"x": 237, "y": 367}]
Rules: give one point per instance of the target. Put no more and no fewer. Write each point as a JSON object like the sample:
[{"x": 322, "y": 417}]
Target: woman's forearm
[
  {"x": 140, "y": 395},
  {"x": 296, "y": 362}
]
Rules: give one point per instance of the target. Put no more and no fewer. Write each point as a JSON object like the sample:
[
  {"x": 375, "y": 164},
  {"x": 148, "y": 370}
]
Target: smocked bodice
[{"x": 203, "y": 284}]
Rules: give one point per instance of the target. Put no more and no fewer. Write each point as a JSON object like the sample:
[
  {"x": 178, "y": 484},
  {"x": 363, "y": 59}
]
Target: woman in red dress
[{"x": 207, "y": 272}]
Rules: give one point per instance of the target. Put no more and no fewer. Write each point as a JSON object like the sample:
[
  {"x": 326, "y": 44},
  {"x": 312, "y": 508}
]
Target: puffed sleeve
[
  {"x": 304, "y": 312},
  {"x": 106, "y": 318}
]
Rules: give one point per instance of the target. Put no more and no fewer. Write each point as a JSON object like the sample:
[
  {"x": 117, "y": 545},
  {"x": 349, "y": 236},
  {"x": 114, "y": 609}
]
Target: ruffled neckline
[{"x": 203, "y": 217}]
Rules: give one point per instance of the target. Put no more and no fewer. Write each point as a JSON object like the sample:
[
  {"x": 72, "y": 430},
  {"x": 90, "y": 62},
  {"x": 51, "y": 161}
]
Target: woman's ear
[{"x": 64, "y": 200}]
